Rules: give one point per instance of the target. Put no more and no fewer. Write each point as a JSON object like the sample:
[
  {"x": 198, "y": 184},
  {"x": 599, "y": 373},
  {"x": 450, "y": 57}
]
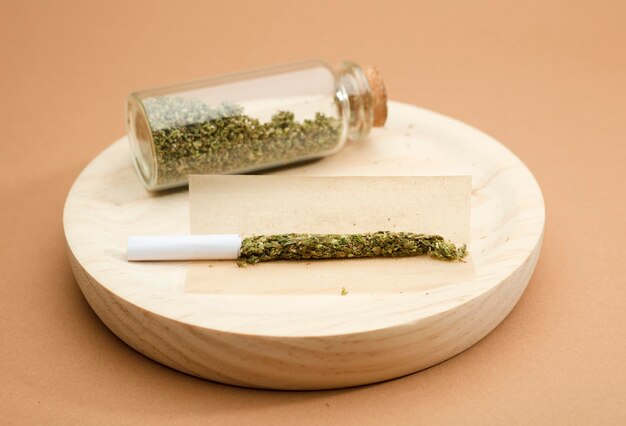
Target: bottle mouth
[
  {"x": 141, "y": 143},
  {"x": 356, "y": 97}
]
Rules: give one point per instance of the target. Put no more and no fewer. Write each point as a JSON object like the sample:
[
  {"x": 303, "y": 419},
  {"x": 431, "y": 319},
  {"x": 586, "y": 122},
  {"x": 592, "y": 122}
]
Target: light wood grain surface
[{"x": 310, "y": 341}]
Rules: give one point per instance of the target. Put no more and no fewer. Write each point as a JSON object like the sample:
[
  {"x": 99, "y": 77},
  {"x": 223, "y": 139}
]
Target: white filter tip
[{"x": 184, "y": 247}]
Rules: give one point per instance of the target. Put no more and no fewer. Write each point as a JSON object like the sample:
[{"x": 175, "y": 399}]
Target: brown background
[{"x": 548, "y": 78}]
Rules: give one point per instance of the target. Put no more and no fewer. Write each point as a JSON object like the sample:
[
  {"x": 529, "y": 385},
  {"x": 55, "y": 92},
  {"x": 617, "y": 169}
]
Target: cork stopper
[{"x": 379, "y": 95}]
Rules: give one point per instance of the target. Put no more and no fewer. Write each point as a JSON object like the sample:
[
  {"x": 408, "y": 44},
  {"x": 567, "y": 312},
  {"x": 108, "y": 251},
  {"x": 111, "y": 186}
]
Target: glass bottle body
[{"x": 245, "y": 122}]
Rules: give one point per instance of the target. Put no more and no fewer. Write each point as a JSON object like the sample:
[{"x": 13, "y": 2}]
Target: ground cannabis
[
  {"x": 191, "y": 137},
  {"x": 264, "y": 248}
]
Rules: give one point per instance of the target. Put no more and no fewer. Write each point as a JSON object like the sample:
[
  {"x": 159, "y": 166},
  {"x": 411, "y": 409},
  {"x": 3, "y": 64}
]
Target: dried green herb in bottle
[
  {"x": 192, "y": 138},
  {"x": 265, "y": 248},
  {"x": 250, "y": 121}
]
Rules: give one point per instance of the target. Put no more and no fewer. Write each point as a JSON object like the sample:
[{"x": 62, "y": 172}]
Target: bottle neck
[{"x": 354, "y": 96}]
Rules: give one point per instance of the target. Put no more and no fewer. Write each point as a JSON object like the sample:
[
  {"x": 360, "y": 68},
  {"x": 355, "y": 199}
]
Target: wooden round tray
[{"x": 316, "y": 341}]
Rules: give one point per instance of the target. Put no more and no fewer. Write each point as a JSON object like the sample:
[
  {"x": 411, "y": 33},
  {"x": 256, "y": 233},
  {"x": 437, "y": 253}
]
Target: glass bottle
[{"x": 249, "y": 121}]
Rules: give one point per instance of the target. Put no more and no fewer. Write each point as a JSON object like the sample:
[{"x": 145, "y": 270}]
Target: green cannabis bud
[
  {"x": 191, "y": 137},
  {"x": 265, "y": 248}
]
